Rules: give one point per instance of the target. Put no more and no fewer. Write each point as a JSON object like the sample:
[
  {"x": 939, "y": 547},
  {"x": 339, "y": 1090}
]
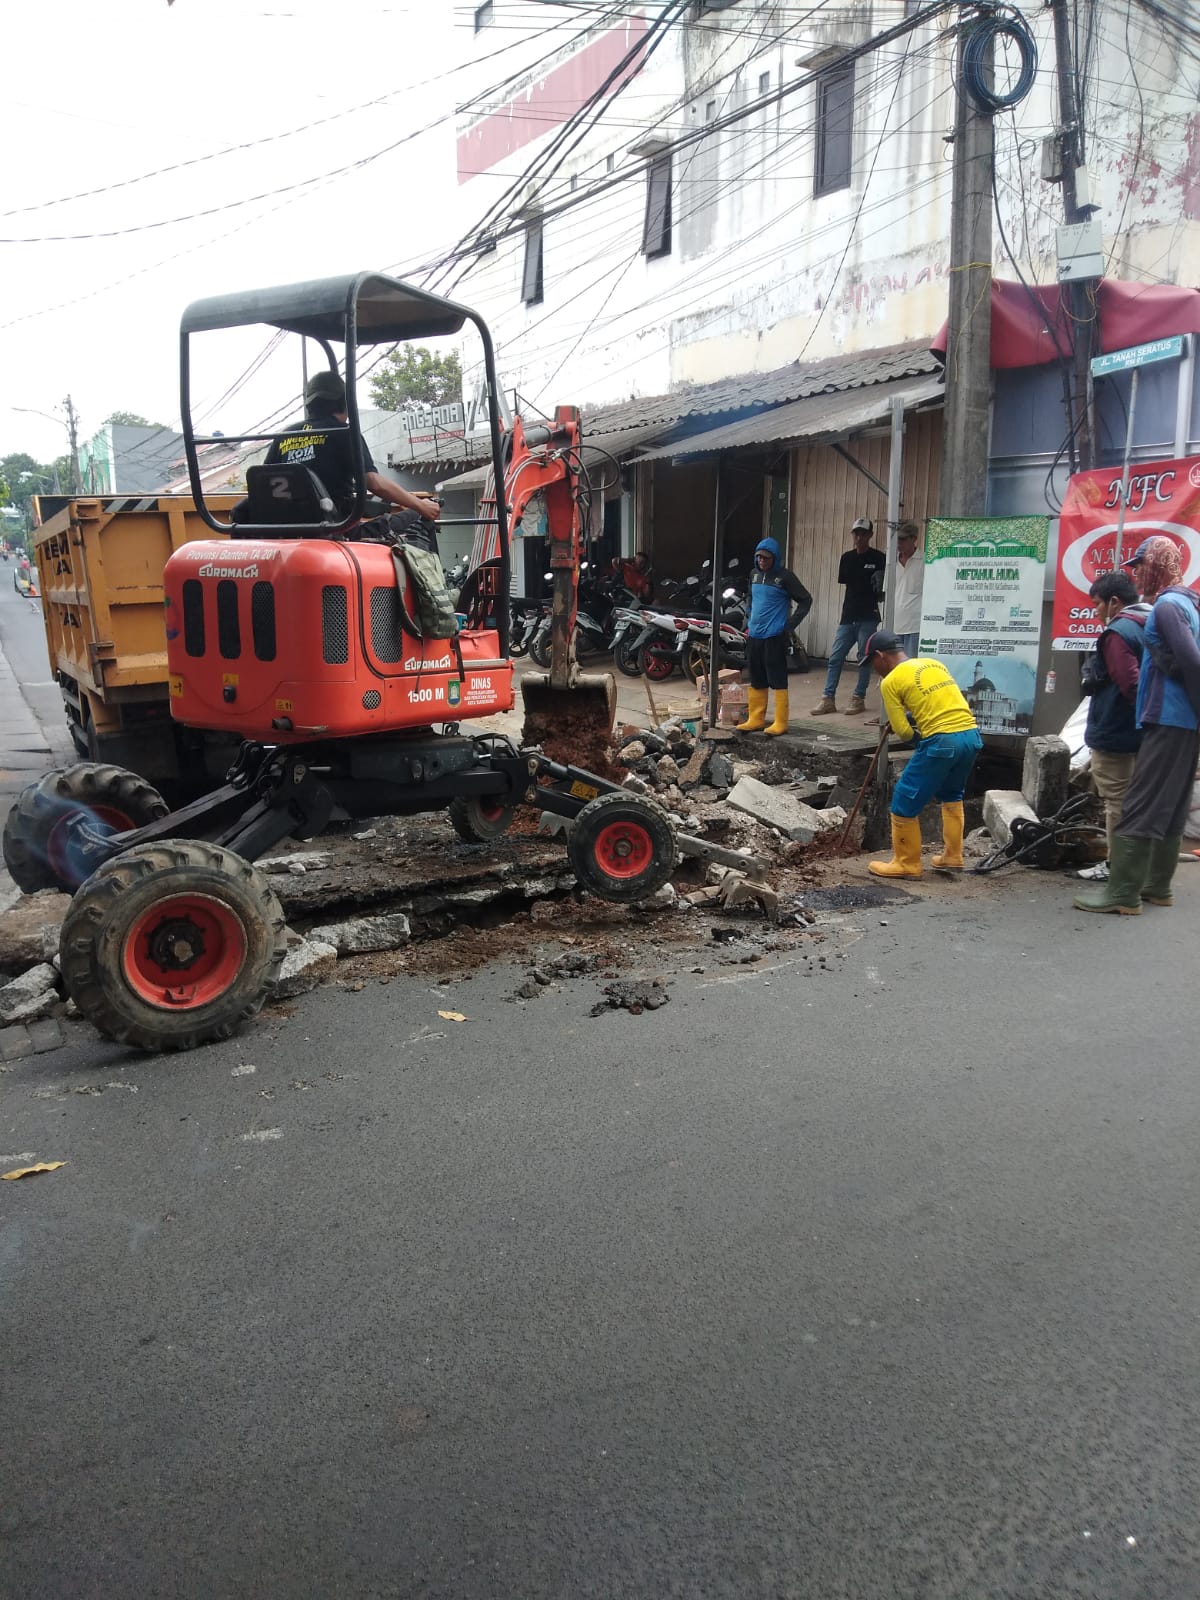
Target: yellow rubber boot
[
  {"x": 780, "y": 725},
  {"x": 906, "y": 851},
  {"x": 756, "y": 720},
  {"x": 951, "y": 858}
]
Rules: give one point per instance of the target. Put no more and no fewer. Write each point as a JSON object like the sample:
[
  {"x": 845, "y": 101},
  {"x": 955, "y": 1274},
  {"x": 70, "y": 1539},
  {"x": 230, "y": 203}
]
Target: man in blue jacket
[
  {"x": 1110, "y": 677},
  {"x": 1145, "y": 846},
  {"x": 778, "y": 602}
]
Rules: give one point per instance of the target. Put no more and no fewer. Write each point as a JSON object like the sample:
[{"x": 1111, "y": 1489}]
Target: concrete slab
[{"x": 1001, "y": 808}]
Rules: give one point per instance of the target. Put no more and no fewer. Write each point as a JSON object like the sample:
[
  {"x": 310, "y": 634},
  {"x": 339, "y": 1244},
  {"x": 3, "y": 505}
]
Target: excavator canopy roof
[{"x": 385, "y": 310}]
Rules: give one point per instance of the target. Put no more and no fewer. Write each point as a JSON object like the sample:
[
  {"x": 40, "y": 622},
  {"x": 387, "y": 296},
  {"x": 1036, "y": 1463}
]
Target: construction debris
[
  {"x": 779, "y": 809},
  {"x": 360, "y": 935},
  {"x": 34, "y": 994},
  {"x": 632, "y": 995},
  {"x": 306, "y": 964}
]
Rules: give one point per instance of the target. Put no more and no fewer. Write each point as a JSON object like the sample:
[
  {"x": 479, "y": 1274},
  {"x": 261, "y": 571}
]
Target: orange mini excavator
[{"x": 305, "y": 630}]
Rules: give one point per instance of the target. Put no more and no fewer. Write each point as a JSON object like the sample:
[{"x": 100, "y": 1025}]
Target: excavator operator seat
[{"x": 285, "y": 492}]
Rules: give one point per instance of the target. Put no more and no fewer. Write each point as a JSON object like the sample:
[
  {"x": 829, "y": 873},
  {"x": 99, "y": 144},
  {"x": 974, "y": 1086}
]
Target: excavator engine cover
[{"x": 290, "y": 641}]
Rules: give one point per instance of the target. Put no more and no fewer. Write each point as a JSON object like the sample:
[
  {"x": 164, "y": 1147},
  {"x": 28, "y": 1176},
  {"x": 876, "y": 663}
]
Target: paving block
[
  {"x": 1046, "y": 776},
  {"x": 304, "y": 967},
  {"x": 46, "y": 1035},
  {"x": 15, "y": 1043},
  {"x": 17, "y": 994},
  {"x": 361, "y": 935},
  {"x": 1001, "y": 808}
]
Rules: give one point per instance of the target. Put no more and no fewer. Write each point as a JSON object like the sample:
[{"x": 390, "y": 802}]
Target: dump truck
[{"x": 100, "y": 567}]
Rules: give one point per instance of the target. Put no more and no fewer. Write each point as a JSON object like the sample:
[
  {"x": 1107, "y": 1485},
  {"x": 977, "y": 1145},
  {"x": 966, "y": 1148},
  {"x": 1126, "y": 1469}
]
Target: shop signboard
[
  {"x": 1162, "y": 497},
  {"x": 982, "y": 612}
]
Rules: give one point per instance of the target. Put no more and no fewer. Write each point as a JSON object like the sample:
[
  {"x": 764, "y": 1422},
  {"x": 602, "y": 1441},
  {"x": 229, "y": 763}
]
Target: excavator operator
[{"x": 322, "y": 443}]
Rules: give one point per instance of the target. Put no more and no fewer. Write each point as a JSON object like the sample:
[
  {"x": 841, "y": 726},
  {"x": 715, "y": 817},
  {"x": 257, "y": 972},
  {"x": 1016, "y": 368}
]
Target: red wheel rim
[
  {"x": 57, "y": 840},
  {"x": 184, "y": 952},
  {"x": 658, "y": 667},
  {"x": 490, "y": 810},
  {"x": 624, "y": 850}
]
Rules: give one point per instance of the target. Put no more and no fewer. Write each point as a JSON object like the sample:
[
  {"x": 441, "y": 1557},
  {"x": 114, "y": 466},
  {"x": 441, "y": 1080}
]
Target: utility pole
[
  {"x": 1080, "y": 293},
  {"x": 969, "y": 332},
  {"x": 73, "y": 434}
]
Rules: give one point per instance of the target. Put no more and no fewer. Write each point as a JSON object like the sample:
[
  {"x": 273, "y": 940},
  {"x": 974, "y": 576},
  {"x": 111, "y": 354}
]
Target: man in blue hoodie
[{"x": 778, "y": 602}]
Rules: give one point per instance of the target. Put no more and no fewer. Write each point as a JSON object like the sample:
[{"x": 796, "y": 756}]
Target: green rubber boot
[
  {"x": 1128, "y": 869},
  {"x": 1164, "y": 858}
]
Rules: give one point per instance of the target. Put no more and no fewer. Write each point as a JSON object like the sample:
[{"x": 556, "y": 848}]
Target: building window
[
  {"x": 764, "y": 83},
  {"x": 484, "y": 15},
  {"x": 531, "y": 277},
  {"x": 656, "y": 235},
  {"x": 835, "y": 127}
]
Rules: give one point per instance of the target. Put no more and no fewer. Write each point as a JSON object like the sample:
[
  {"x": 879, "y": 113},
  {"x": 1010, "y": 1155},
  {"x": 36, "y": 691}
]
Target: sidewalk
[{"x": 25, "y": 754}]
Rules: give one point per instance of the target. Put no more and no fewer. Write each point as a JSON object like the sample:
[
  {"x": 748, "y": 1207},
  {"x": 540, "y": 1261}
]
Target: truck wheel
[
  {"x": 622, "y": 847},
  {"x": 479, "y": 817},
  {"x": 172, "y": 945},
  {"x": 37, "y": 844}
]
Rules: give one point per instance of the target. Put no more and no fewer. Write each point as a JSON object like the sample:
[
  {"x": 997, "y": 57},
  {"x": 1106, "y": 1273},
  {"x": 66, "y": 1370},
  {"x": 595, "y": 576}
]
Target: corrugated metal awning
[{"x": 819, "y": 416}]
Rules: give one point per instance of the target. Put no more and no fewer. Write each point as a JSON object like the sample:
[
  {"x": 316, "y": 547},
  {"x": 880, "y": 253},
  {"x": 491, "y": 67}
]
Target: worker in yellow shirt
[{"x": 920, "y": 694}]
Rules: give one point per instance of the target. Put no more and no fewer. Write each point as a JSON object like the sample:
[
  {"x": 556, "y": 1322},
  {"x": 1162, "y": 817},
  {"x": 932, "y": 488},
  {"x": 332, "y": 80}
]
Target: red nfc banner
[{"x": 1163, "y": 498}]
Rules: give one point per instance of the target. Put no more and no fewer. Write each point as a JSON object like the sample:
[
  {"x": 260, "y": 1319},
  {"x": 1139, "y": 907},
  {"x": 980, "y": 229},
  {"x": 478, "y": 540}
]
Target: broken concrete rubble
[
  {"x": 779, "y": 809},
  {"x": 304, "y": 967},
  {"x": 360, "y": 935},
  {"x": 29, "y": 928},
  {"x": 17, "y": 997}
]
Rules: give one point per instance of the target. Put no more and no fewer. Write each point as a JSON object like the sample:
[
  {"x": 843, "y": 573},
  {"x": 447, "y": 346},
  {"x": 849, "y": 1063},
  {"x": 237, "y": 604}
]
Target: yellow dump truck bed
[{"x": 100, "y": 564}]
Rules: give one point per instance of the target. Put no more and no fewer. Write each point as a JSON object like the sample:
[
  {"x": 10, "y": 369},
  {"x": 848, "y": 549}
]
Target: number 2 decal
[{"x": 280, "y": 490}]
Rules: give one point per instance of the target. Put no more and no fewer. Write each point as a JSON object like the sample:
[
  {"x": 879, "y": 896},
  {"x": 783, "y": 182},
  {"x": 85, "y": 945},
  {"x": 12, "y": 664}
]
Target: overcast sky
[{"x": 98, "y": 92}]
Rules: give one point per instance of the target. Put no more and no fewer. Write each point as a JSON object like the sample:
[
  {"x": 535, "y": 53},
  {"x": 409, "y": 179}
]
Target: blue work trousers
[
  {"x": 938, "y": 769},
  {"x": 849, "y": 633}
]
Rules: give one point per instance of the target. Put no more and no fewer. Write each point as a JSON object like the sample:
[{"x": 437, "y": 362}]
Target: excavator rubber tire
[
  {"x": 622, "y": 847},
  {"x": 173, "y": 945},
  {"x": 35, "y": 844},
  {"x": 479, "y": 817}
]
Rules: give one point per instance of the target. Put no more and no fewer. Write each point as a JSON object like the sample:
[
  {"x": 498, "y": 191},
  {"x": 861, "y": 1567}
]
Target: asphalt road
[
  {"x": 873, "y": 1279},
  {"x": 880, "y": 1281}
]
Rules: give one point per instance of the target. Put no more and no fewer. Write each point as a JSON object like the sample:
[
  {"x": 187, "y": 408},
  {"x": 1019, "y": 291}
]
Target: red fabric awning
[{"x": 1130, "y": 313}]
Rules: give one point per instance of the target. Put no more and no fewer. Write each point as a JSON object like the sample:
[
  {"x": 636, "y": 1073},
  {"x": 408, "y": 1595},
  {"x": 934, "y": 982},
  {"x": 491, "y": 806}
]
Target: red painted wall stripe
[{"x": 547, "y": 101}]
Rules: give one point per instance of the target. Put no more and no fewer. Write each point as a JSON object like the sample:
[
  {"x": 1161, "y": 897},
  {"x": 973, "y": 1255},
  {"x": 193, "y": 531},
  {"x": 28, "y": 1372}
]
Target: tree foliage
[
  {"x": 23, "y": 477},
  {"x": 413, "y": 373},
  {"x": 128, "y": 419}
]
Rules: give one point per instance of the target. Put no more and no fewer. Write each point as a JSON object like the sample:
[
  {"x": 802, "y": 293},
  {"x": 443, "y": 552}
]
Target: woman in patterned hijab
[{"x": 1157, "y": 565}]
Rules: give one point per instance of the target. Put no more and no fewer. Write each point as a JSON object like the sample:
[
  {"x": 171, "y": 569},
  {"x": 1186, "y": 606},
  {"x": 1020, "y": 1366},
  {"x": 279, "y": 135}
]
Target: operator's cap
[
  {"x": 1140, "y": 554},
  {"x": 862, "y": 525},
  {"x": 881, "y": 642},
  {"x": 326, "y": 386}
]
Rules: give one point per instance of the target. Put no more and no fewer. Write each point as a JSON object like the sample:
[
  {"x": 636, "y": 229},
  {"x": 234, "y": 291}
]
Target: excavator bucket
[{"x": 572, "y": 722}]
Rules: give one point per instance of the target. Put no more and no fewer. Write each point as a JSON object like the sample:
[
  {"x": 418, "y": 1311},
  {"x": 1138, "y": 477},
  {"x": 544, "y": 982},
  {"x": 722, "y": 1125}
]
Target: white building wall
[{"x": 762, "y": 273}]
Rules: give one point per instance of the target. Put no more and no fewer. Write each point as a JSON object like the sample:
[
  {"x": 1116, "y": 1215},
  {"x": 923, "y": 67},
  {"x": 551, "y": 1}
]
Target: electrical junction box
[{"x": 1080, "y": 251}]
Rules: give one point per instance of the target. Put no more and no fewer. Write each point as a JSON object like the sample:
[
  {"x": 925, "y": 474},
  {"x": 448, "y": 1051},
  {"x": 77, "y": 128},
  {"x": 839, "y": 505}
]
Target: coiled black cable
[{"x": 995, "y": 23}]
